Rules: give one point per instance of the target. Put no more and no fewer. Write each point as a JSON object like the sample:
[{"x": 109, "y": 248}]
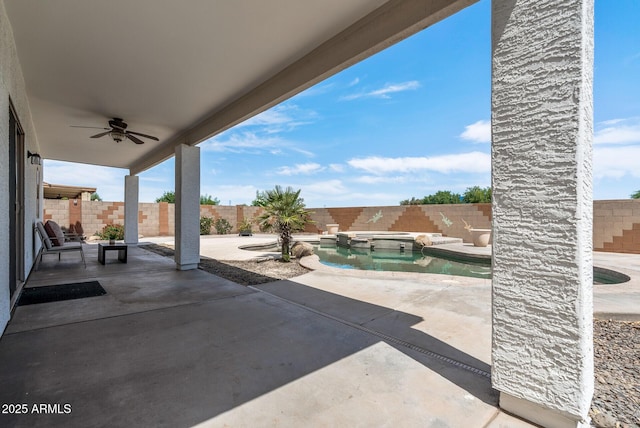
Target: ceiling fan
[{"x": 118, "y": 132}]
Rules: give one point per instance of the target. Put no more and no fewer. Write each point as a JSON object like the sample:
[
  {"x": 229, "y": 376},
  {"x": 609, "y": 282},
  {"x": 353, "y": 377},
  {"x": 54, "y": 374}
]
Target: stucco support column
[
  {"x": 542, "y": 105},
  {"x": 131, "y": 185},
  {"x": 187, "y": 220}
]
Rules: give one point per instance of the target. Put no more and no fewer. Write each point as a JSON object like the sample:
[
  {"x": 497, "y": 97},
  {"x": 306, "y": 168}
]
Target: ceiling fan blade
[
  {"x": 134, "y": 139},
  {"x": 143, "y": 135},
  {"x": 88, "y": 127},
  {"x": 102, "y": 134}
]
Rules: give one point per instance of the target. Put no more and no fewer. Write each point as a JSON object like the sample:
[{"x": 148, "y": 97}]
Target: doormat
[{"x": 57, "y": 293}]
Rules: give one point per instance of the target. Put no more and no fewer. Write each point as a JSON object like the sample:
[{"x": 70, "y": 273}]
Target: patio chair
[
  {"x": 55, "y": 245},
  {"x": 74, "y": 233}
]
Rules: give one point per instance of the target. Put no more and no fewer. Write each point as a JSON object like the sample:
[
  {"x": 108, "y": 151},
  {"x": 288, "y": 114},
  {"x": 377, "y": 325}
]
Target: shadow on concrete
[
  {"x": 213, "y": 266},
  {"x": 394, "y": 328}
]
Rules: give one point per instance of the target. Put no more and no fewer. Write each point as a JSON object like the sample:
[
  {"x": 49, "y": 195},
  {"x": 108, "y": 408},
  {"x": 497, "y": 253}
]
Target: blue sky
[{"x": 406, "y": 122}]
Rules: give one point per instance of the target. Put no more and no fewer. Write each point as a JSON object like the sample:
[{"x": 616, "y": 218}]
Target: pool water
[{"x": 409, "y": 261}]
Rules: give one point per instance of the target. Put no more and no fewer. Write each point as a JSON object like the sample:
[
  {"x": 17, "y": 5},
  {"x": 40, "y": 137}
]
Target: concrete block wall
[
  {"x": 616, "y": 223},
  {"x": 616, "y": 226},
  {"x": 449, "y": 220},
  {"x": 98, "y": 214},
  {"x": 58, "y": 211},
  {"x": 149, "y": 219},
  {"x": 230, "y": 213}
]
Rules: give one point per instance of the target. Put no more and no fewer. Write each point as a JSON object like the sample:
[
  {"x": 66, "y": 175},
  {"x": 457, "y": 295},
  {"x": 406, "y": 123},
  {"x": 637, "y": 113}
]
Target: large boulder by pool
[
  {"x": 301, "y": 249},
  {"x": 423, "y": 241}
]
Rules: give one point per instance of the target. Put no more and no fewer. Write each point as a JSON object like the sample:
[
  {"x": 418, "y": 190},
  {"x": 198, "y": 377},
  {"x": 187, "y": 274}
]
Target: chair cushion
[
  {"x": 55, "y": 233},
  {"x": 43, "y": 234}
]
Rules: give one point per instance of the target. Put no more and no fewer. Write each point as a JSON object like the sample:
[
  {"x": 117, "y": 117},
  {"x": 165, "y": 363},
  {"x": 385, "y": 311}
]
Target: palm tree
[
  {"x": 635, "y": 195},
  {"x": 284, "y": 213}
]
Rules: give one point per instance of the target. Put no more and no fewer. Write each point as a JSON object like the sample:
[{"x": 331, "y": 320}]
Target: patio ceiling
[{"x": 187, "y": 70}]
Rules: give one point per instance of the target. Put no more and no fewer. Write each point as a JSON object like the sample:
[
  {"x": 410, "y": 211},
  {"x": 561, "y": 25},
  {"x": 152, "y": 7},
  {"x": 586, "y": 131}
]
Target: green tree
[
  {"x": 442, "y": 197},
  {"x": 412, "y": 201},
  {"x": 168, "y": 196},
  {"x": 208, "y": 200},
  {"x": 635, "y": 195},
  {"x": 95, "y": 197},
  {"x": 477, "y": 194},
  {"x": 284, "y": 213},
  {"x": 260, "y": 200}
]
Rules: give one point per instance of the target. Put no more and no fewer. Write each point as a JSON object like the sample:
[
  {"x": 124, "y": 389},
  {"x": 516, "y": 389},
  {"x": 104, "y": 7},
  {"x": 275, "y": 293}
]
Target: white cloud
[
  {"x": 153, "y": 179},
  {"x": 336, "y": 167},
  {"x": 318, "y": 89},
  {"x": 618, "y": 131},
  {"x": 283, "y": 117},
  {"x": 472, "y": 162},
  {"x": 385, "y": 90},
  {"x": 328, "y": 187},
  {"x": 241, "y": 143},
  {"x": 301, "y": 168},
  {"x": 611, "y": 122},
  {"x": 236, "y": 194},
  {"x": 377, "y": 179},
  {"x": 354, "y": 82},
  {"x": 109, "y": 182},
  {"x": 251, "y": 143},
  {"x": 478, "y": 132},
  {"x": 616, "y": 161}
]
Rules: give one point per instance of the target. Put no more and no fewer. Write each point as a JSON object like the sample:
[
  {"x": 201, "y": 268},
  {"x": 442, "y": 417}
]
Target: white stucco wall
[
  {"x": 12, "y": 88},
  {"x": 187, "y": 206},
  {"x": 542, "y": 206},
  {"x": 131, "y": 184}
]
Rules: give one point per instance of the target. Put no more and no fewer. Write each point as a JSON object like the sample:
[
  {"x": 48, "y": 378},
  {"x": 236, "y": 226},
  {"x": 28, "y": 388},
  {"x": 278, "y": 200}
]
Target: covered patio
[
  {"x": 186, "y": 71},
  {"x": 171, "y": 348}
]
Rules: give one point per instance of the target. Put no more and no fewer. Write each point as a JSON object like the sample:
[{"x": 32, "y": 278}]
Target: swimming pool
[
  {"x": 408, "y": 261},
  {"x": 445, "y": 263},
  {"x": 395, "y": 261}
]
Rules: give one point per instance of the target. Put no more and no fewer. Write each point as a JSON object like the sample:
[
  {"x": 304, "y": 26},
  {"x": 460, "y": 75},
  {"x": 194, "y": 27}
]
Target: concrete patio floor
[{"x": 171, "y": 348}]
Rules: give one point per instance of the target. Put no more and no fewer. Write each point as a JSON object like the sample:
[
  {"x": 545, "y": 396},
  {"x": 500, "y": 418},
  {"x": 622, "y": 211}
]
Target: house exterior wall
[{"x": 12, "y": 91}]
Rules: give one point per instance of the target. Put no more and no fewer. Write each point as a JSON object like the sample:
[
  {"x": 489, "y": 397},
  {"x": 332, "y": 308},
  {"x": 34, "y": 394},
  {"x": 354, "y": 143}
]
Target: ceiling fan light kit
[{"x": 117, "y": 135}]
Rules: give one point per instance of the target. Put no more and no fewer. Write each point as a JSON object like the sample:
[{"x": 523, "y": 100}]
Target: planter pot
[
  {"x": 112, "y": 241},
  {"x": 332, "y": 229},
  {"x": 480, "y": 237},
  {"x": 245, "y": 233}
]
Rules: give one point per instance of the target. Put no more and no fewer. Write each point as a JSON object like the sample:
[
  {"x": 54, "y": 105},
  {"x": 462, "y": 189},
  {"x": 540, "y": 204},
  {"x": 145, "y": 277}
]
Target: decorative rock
[
  {"x": 616, "y": 393},
  {"x": 603, "y": 420},
  {"x": 423, "y": 241},
  {"x": 301, "y": 249}
]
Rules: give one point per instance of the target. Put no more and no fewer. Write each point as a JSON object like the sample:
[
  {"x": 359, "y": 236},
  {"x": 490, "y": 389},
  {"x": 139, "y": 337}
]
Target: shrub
[
  {"x": 245, "y": 225},
  {"x": 205, "y": 225},
  {"x": 222, "y": 226},
  {"x": 112, "y": 231}
]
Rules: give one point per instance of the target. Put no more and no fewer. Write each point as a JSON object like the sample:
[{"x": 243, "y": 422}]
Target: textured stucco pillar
[
  {"x": 187, "y": 223},
  {"x": 542, "y": 132},
  {"x": 131, "y": 183}
]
